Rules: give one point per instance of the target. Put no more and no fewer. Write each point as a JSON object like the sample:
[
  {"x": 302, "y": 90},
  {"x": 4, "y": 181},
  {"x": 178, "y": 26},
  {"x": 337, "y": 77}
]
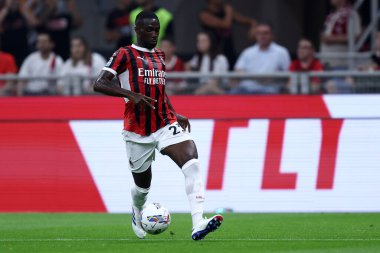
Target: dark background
[{"x": 292, "y": 19}]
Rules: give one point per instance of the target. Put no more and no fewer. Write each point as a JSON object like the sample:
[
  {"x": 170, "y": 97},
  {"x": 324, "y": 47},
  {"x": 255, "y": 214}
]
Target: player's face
[
  {"x": 305, "y": 50},
  {"x": 148, "y": 32}
]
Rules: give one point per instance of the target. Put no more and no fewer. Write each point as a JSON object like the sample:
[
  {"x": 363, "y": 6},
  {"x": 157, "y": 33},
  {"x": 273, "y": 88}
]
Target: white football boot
[
  {"x": 136, "y": 223},
  {"x": 206, "y": 226}
]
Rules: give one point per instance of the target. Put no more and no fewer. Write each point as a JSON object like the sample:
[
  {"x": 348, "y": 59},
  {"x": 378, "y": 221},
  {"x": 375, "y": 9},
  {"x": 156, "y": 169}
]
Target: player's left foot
[{"x": 206, "y": 226}]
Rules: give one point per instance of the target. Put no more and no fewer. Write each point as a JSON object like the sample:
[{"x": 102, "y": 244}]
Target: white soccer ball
[{"x": 155, "y": 218}]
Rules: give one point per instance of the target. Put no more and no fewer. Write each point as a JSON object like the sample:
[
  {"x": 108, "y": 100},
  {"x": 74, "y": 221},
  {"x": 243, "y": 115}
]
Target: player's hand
[
  {"x": 183, "y": 122},
  {"x": 139, "y": 99}
]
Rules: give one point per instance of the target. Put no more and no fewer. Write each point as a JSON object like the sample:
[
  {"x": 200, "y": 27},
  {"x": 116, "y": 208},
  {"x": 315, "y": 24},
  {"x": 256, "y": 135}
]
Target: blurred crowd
[{"x": 35, "y": 40}]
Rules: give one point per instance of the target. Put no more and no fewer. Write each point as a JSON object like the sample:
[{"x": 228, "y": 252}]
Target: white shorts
[{"x": 141, "y": 149}]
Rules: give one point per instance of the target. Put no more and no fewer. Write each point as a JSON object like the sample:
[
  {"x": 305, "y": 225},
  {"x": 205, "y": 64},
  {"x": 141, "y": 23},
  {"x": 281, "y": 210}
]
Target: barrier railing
[
  {"x": 349, "y": 60},
  {"x": 340, "y": 82},
  {"x": 204, "y": 84}
]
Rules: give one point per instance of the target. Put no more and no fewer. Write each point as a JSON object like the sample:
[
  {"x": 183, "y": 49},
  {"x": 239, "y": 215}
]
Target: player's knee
[
  {"x": 188, "y": 157},
  {"x": 189, "y": 153}
]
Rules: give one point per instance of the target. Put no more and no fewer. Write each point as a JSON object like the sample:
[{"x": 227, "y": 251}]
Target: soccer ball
[{"x": 155, "y": 218}]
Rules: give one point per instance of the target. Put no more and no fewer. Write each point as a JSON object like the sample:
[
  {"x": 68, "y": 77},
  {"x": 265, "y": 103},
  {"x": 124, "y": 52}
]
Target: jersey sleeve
[{"x": 117, "y": 64}]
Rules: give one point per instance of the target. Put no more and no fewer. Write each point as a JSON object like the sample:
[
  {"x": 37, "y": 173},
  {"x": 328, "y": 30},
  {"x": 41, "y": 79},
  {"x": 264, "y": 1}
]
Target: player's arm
[
  {"x": 104, "y": 84},
  {"x": 182, "y": 120}
]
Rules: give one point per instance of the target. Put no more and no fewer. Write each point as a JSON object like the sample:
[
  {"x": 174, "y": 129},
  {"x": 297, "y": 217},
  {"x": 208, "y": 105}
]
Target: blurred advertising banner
[{"x": 258, "y": 154}]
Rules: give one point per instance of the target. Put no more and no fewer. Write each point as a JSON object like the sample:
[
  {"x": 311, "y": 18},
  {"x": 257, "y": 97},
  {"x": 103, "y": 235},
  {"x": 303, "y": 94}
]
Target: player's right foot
[
  {"x": 206, "y": 226},
  {"x": 136, "y": 223}
]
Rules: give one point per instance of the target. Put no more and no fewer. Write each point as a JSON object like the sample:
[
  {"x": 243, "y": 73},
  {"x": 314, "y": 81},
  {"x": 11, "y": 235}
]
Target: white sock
[
  {"x": 139, "y": 196},
  {"x": 194, "y": 189}
]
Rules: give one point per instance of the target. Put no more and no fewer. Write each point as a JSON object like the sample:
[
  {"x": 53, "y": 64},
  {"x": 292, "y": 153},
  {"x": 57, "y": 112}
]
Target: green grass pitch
[{"x": 54, "y": 233}]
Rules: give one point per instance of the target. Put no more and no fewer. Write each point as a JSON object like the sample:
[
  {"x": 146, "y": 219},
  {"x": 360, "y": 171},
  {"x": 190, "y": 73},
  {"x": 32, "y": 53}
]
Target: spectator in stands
[
  {"x": 334, "y": 38},
  {"x": 7, "y": 66},
  {"x": 208, "y": 59},
  {"x": 58, "y": 19},
  {"x": 173, "y": 64},
  {"x": 15, "y": 20},
  {"x": 306, "y": 61},
  {"x": 369, "y": 83},
  {"x": 118, "y": 27},
  {"x": 218, "y": 18},
  {"x": 165, "y": 17},
  {"x": 265, "y": 56},
  {"x": 44, "y": 62},
  {"x": 81, "y": 66}
]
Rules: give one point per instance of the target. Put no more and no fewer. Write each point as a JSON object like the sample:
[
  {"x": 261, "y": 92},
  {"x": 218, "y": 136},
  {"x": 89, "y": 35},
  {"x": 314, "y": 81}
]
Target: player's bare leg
[
  {"x": 185, "y": 155},
  {"x": 139, "y": 195}
]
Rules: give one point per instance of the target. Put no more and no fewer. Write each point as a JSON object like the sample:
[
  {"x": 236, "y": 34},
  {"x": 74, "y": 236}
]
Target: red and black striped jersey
[{"x": 142, "y": 71}]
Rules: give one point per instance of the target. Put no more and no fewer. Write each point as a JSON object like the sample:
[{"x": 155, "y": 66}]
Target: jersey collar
[{"x": 143, "y": 49}]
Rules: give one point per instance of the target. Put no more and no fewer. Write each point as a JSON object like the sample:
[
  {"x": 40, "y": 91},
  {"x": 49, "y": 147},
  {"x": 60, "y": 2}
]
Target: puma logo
[{"x": 143, "y": 59}]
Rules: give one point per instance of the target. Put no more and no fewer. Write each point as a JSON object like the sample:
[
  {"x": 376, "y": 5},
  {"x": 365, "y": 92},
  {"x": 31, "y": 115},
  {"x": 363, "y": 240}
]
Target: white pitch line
[{"x": 216, "y": 239}]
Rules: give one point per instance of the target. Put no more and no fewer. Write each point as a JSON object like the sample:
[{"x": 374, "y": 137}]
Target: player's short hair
[{"x": 145, "y": 15}]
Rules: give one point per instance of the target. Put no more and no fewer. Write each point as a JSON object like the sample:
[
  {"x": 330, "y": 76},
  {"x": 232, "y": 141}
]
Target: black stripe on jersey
[
  {"x": 135, "y": 81},
  {"x": 148, "y": 124},
  {"x": 164, "y": 113},
  {"x": 158, "y": 121},
  {"x": 164, "y": 104}
]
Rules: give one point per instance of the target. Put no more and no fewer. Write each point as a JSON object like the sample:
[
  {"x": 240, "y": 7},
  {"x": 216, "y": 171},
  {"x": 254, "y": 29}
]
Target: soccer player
[{"x": 150, "y": 122}]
